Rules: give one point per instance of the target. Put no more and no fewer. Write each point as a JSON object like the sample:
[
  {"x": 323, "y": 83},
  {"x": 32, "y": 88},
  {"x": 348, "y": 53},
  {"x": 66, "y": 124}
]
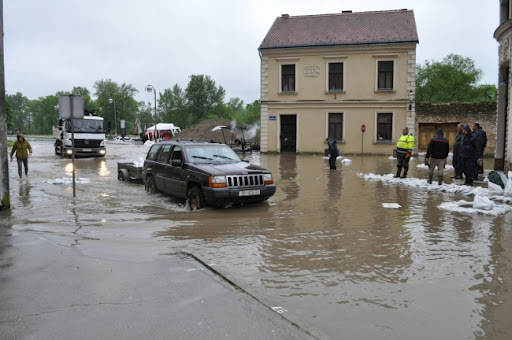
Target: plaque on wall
[{"x": 311, "y": 71}]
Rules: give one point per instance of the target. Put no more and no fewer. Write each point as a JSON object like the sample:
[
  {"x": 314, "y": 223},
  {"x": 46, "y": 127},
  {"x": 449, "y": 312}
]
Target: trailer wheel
[
  {"x": 151, "y": 186},
  {"x": 123, "y": 175},
  {"x": 195, "y": 199}
]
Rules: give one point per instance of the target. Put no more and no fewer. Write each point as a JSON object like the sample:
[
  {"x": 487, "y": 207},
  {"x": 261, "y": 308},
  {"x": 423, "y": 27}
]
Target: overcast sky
[{"x": 54, "y": 45}]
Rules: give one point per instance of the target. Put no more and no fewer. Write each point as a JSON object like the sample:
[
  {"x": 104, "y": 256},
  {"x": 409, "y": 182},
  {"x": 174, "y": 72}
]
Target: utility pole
[{"x": 4, "y": 163}]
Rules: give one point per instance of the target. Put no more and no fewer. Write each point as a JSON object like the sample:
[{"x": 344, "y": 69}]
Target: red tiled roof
[{"x": 355, "y": 28}]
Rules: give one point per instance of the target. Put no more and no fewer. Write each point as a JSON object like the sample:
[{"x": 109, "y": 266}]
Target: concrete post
[{"x": 4, "y": 162}]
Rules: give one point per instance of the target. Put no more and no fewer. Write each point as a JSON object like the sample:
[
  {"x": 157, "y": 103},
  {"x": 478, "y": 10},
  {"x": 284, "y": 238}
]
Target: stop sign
[{"x": 363, "y": 128}]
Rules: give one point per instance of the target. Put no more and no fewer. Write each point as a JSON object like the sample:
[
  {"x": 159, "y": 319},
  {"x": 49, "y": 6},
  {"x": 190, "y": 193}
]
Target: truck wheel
[
  {"x": 151, "y": 186},
  {"x": 195, "y": 198}
]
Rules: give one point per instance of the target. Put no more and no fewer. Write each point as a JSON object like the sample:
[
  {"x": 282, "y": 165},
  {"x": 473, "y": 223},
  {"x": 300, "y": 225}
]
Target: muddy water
[{"x": 323, "y": 251}]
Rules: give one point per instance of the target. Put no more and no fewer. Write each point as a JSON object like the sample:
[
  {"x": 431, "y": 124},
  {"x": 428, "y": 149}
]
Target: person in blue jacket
[
  {"x": 333, "y": 153},
  {"x": 470, "y": 152}
]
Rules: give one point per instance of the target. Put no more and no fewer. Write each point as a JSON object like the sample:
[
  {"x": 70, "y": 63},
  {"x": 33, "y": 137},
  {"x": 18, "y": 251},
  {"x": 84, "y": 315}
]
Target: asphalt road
[{"x": 53, "y": 288}]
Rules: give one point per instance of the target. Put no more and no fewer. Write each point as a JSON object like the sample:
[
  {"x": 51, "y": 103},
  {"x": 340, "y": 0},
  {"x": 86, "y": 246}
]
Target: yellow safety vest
[{"x": 406, "y": 142}]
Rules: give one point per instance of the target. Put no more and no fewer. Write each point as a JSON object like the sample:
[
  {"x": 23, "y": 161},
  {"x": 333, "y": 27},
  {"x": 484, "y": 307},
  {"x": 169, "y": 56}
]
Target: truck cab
[{"x": 89, "y": 137}]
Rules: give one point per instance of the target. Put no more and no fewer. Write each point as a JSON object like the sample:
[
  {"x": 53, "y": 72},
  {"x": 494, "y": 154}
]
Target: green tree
[
  {"x": 116, "y": 102},
  {"x": 8, "y": 111},
  {"x": 172, "y": 106},
  {"x": 204, "y": 98},
  {"x": 454, "y": 79},
  {"x": 19, "y": 113},
  {"x": 43, "y": 114},
  {"x": 250, "y": 115}
]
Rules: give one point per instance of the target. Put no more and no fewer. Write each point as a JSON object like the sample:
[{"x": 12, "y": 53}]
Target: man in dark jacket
[
  {"x": 470, "y": 152},
  {"x": 437, "y": 151},
  {"x": 333, "y": 153},
  {"x": 482, "y": 138},
  {"x": 456, "y": 157}
]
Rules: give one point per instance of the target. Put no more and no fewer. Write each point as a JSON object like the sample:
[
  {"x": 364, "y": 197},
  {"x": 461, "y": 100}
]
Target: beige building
[
  {"x": 334, "y": 75},
  {"x": 503, "y": 156}
]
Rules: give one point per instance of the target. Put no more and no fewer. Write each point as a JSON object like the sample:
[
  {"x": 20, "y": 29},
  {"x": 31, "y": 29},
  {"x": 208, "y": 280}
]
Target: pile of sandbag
[{"x": 500, "y": 184}]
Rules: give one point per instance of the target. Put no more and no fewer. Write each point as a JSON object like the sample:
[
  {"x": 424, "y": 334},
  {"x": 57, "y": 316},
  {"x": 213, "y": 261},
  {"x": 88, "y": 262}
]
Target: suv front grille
[{"x": 245, "y": 180}]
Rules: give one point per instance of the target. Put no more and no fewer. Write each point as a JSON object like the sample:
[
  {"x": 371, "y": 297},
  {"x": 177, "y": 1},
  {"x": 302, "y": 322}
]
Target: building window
[
  {"x": 384, "y": 126},
  {"x": 335, "y": 129},
  {"x": 335, "y": 76},
  {"x": 288, "y": 78},
  {"x": 385, "y": 75}
]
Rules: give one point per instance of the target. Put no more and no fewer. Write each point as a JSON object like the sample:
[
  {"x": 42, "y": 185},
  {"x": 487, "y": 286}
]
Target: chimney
[{"x": 285, "y": 16}]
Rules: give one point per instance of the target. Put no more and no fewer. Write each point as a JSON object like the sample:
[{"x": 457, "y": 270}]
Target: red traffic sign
[{"x": 363, "y": 128}]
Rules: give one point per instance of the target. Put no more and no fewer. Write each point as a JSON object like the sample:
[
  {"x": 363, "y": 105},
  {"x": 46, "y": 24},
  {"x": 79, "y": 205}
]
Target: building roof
[{"x": 346, "y": 28}]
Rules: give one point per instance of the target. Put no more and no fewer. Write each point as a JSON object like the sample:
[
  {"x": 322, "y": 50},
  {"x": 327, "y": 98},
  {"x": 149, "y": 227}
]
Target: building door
[
  {"x": 288, "y": 135},
  {"x": 426, "y": 132},
  {"x": 450, "y": 130}
]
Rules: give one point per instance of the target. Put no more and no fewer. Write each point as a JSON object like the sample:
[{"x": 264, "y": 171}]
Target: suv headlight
[
  {"x": 217, "y": 182},
  {"x": 267, "y": 179}
]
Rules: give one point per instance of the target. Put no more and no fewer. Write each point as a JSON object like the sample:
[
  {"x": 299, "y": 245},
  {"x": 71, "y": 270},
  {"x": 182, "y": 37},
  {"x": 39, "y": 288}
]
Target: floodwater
[{"x": 323, "y": 251}]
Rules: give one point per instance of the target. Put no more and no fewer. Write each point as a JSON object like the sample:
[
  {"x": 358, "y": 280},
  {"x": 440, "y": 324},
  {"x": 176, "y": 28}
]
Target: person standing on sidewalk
[
  {"x": 470, "y": 152},
  {"x": 456, "y": 153},
  {"x": 437, "y": 151},
  {"x": 333, "y": 153},
  {"x": 404, "y": 149},
  {"x": 482, "y": 138},
  {"x": 23, "y": 151}
]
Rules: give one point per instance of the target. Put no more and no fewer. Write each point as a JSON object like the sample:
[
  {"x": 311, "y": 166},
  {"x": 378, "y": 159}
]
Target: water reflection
[
  {"x": 68, "y": 168},
  {"x": 323, "y": 247},
  {"x": 24, "y": 193},
  {"x": 103, "y": 169}
]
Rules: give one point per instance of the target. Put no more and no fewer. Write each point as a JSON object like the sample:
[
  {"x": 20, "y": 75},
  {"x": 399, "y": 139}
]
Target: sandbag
[
  {"x": 481, "y": 202},
  {"x": 497, "y": 178},
  {"x": 494, "y": 188},
  {"x": 508, "y": 188}
]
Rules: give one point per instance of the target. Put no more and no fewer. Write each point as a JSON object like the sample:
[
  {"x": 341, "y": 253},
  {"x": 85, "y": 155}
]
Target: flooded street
[{"x": 323, "y": 251}]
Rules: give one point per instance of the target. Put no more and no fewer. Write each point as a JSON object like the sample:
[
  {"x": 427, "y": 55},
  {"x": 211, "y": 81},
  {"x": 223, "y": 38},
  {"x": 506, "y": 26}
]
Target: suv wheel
[
  {"x": 151, "y": 186},
  {"x": 195, "y": 198}
]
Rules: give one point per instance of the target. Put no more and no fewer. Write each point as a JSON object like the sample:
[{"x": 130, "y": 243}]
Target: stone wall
[{"x": 483, "y": 113}]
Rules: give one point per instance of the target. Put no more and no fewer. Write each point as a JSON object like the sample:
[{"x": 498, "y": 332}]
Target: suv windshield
[{"x": 215, "y": 153}]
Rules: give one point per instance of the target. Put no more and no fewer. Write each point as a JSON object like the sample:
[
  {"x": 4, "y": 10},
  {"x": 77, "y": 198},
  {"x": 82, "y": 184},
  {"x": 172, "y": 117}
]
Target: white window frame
[
  {"x": 280, "y": 90},
  {"x": 377, "y": 74},
  {"x": 343, "y": 89},
  {"x": 327, "y": 124},
  {"x": 393, "y": 119}
]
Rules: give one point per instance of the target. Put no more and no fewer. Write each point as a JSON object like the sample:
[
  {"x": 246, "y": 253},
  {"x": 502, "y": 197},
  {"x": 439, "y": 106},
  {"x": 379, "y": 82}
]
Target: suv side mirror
[{"x": 176, "y": 162}]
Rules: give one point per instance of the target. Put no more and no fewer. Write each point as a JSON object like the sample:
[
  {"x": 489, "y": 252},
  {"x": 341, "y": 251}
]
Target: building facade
[
  {"x": 347, "y": 76},
  {"x": 503, "y": 34}
]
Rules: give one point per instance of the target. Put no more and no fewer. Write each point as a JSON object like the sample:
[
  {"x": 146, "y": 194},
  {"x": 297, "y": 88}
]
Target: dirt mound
[{"x": 203, "y": 131}]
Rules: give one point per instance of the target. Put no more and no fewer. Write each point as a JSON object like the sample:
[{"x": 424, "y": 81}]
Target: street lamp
[
  {"x": 150, "y": 88},
  {"x": 110, "y": 100},
  {"x": 411, "y": 99}
]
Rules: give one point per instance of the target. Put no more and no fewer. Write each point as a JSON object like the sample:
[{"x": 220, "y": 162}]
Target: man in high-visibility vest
[{"x": 404, "y": 149}]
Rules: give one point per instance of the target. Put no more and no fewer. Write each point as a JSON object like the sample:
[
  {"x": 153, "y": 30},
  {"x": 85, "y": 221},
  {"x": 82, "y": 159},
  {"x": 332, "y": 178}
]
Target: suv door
[
  {"x": 175, "y": 173},
  {"x": 161, "y": 166}
]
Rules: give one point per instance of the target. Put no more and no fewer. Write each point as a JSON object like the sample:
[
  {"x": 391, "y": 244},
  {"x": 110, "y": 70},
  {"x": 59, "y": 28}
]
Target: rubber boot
[
  {"x": 405, "y": 173},
  {"x": 430, "y": 178},
  {"x": 440, "y": 180},
  {"x": 398, "y": 172}
]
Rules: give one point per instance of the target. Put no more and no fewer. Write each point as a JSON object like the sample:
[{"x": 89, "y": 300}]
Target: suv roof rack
[{"x": 197, "y": 140}]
